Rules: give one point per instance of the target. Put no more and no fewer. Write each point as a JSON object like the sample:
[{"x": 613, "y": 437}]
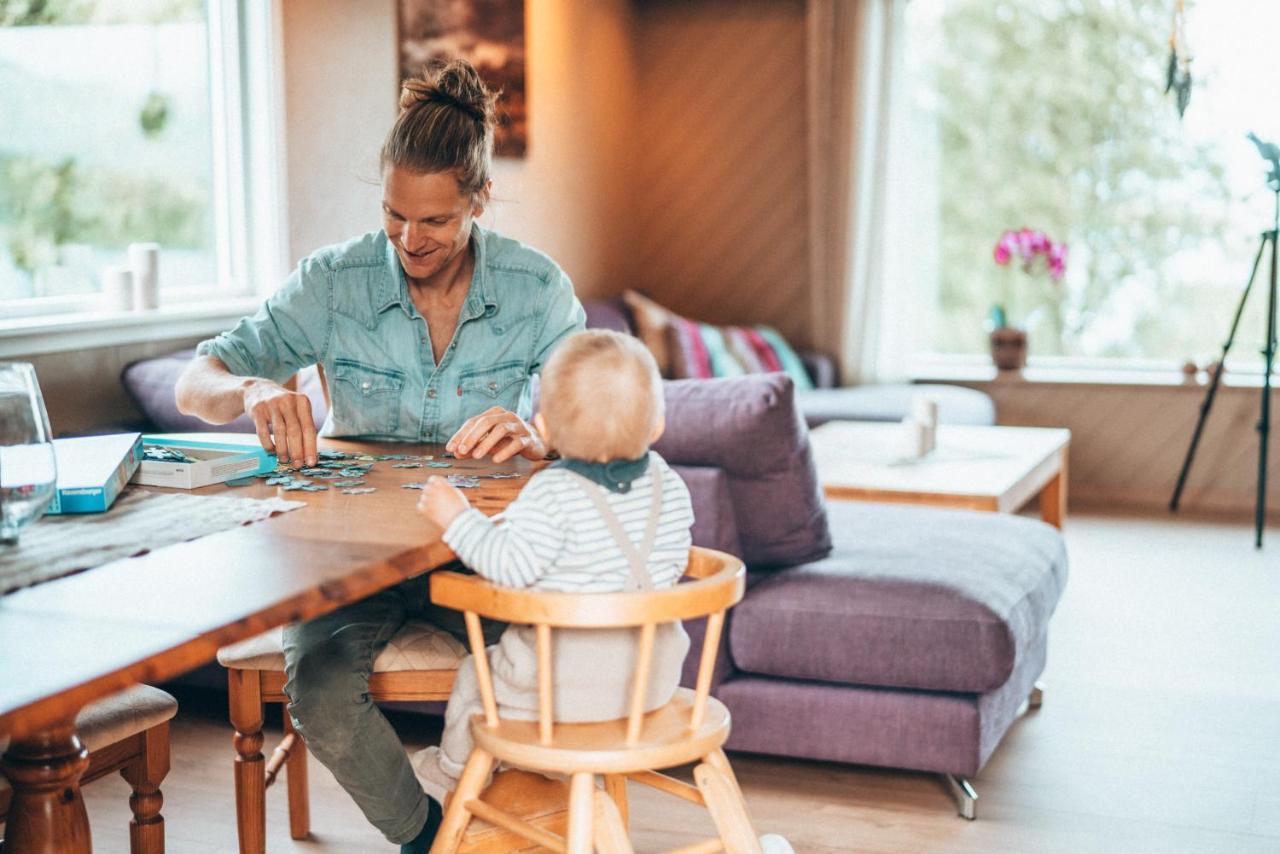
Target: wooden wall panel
[
  {"x": 1128, "y": 442},
  {"x": 718, "y": 227}
]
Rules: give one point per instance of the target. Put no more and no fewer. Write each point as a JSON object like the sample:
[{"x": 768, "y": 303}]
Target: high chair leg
[
  {"x": 616, "y": 786},
  {"x": 295, "y": 775},
  {"x": 727, "y": 809},
  {"x": 456, "y": 817},
  {"x": 716, "y": 759},
  {"x": 581, "y": 806},
  {"x": 610, "y": 832}
]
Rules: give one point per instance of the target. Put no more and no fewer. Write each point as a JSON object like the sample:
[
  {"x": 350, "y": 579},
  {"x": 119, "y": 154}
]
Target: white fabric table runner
[{"x": 139, "y": 521}]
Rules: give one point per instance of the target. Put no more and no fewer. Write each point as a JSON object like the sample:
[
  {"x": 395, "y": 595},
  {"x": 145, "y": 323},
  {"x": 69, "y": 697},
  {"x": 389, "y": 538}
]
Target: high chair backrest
[{"x": 718, "y": 582}]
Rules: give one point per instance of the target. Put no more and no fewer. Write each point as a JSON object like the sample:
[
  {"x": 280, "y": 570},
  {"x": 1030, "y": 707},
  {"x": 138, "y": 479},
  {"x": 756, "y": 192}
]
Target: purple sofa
[{"x": 884, "y": 635}]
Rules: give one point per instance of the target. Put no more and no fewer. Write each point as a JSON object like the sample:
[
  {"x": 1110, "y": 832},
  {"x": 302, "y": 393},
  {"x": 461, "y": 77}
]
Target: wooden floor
[{"x": 1160, "y": 732}]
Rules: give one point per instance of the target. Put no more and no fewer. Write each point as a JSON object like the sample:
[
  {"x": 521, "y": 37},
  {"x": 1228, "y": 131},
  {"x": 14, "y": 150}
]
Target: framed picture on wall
[{"x": 488, "y": 33}]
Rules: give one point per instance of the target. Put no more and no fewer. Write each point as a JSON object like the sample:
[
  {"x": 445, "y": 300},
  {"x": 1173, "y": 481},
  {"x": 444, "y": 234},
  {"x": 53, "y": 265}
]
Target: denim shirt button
[
  {"x": 493, "y": 386},
  {"x": 364, "y": 386},
  {"x": 431, "y": 393}
]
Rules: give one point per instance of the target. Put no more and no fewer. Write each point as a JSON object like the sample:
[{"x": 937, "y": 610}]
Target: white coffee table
[{"x": 998, "y": 469}]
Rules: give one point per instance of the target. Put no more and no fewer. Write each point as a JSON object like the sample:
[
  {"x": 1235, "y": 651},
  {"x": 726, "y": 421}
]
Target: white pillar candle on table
[
  {"x": 144, "y": 260},
  {"x": 913, "y": 438},
  {"x": 117, "y": 289},
  {"x": 924, "y": 409}
]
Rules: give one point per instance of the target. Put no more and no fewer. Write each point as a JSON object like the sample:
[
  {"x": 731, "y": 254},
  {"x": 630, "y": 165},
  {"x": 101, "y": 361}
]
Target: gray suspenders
[{"x": 637, "y": 559}]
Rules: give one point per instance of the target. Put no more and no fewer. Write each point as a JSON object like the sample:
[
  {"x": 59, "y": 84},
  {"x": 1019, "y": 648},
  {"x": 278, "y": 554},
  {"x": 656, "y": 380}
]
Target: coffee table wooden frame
[{"x": 1046, "y": 479}]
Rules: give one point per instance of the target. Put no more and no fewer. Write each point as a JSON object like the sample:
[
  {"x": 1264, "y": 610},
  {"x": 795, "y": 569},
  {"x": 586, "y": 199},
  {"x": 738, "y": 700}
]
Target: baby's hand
[{"x": 441, "y": 502}]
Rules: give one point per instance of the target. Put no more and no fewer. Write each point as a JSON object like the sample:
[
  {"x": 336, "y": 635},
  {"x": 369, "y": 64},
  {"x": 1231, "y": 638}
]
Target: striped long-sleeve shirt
[{"x": 553, "y": 538}]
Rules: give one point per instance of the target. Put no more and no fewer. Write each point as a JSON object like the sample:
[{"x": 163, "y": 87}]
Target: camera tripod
[{"x": 1268, "y": 354}]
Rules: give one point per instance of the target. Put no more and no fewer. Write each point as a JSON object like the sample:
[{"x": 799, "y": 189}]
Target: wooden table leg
[
  {"x": 47, "y": 815},
  {"x": 1053, "y": 498}
]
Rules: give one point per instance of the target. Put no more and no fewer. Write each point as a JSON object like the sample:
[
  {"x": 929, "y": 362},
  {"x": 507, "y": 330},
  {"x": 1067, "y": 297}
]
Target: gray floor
[{"x": 1160, "y": 732}]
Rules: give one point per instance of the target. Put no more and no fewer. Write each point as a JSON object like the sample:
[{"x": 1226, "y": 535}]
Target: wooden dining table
[{"x": 149, "y": 618}]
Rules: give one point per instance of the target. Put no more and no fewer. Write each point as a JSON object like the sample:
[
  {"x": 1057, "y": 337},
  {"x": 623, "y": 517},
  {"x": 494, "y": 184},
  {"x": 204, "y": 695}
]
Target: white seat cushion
[
  {"x": 417, "y": 646},
  {"x": 117, "y": 717}
]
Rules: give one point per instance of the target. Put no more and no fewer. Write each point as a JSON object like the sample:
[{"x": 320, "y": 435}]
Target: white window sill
[
  {"x": 977, "y": 372},
  {"x": 29, "y": 336}
]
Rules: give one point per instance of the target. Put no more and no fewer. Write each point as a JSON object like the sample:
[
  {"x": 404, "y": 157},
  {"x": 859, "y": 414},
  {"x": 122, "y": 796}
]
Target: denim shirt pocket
[
  {"x": 366, "y": 399},
  {"x": 495, "y": 385}
]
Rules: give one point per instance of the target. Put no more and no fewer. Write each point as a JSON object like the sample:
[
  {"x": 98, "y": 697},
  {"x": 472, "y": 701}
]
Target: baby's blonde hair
[{"x": 601, "y": 396}]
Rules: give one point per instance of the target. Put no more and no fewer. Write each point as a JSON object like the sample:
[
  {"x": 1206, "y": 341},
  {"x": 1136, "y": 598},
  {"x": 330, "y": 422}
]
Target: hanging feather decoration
[{"x": 1178, "y": 73}]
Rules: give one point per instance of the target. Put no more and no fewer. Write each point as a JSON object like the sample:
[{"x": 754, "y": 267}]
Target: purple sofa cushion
[
  {"x": 151, "y": 383},
  {"x": 749, "y": 426},
  {"x": 713, "y": 524},
  {"x": 938, "y": 731},
  {"x": 608, "y": 314},
  {"x": 909, "y": 597}
]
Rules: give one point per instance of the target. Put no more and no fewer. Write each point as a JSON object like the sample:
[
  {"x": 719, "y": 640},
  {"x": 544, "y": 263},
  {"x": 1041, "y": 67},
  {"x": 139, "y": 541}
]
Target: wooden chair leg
[
  {"x": 245, "y": 702},
  {"x": 610, "y": 832},
  {"x": 296, "y": 780},
  {"x": 720, "y": 762},
  {"x": 456, "y": 817},
  {"x": 727, "y": 809},
  {"x": 616, "y": 786},
  {"x": 582, "y": 789},
  {"x": 144, "y": 774}
]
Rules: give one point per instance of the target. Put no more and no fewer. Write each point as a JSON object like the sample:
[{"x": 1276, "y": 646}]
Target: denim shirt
[{"x": 347, "y": 308}]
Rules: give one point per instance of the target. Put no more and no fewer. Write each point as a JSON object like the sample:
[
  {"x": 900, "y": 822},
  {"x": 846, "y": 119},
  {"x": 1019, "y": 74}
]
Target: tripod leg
[
  {"x": 1267, "y": 236},
  {"x": 1264, "y": 423}
]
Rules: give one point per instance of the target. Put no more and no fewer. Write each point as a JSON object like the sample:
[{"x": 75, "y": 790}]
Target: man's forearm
[{"x": 207, "y": 390}]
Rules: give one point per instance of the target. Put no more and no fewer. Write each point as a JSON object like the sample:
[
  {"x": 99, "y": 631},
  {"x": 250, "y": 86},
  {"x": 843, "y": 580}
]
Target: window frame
[{"x": 250, "y": 235}]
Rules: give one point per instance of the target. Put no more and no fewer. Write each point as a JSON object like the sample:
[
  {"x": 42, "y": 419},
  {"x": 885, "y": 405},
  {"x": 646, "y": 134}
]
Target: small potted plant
[{"x": 1036, "y": 254}]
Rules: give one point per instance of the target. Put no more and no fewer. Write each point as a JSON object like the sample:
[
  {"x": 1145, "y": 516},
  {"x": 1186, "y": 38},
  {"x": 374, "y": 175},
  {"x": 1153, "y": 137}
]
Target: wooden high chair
[
  {"x": 692, "y": 727},
  {"x": 418, "y": 664}
]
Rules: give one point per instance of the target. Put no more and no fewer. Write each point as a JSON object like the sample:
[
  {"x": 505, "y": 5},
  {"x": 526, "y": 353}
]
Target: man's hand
[
  {"x": 283, "y": 420},
  {"x": 499, "y": 432},
  {"x": 441, "y": 502}
]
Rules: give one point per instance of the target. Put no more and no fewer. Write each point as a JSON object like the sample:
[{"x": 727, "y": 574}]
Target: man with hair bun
[
  {"x": 426, "y": 330},
  {"x": 610, "y": 516}
]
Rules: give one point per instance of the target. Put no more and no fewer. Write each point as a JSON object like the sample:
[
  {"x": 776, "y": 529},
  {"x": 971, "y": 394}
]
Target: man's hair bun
[
  {"x": 446, "y": 123},
  {"x": 452, "y": 83}
]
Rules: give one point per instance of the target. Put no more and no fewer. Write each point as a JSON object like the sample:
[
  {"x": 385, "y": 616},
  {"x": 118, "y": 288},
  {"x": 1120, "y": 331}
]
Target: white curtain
[{"x": 868, "y": 254}]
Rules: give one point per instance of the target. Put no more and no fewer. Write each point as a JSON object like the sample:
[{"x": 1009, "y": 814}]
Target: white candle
[
  {"x": 144, "y": 260},
  {"x": 924, "y": 409},
  {"x": 913, "y": 438},
  {"x": 117, "y": 289}
]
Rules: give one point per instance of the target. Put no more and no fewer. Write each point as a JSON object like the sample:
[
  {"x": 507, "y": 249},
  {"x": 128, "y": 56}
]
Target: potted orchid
[{"x": 1036, "y": 254}]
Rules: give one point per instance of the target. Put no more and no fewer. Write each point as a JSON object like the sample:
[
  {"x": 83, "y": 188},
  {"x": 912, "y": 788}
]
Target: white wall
[
  {"x": 564, "y": 197},
  {"x": 340, "y": 92}
]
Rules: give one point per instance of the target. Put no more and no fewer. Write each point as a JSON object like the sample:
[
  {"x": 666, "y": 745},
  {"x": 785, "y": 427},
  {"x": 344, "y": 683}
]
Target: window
[
  {"x": 129, "y": 122},
  {"x": 1051, "y": 114}
]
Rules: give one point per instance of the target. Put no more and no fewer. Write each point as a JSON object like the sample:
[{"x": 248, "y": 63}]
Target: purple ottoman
[{"x": 914, "y": 644}]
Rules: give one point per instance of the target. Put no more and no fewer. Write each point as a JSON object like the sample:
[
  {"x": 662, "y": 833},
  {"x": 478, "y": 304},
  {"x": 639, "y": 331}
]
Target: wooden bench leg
[
  {"x": 145, "y": 774},
  {"x": 296, "y": 780},
  {"x": 246, "y": 716}
]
